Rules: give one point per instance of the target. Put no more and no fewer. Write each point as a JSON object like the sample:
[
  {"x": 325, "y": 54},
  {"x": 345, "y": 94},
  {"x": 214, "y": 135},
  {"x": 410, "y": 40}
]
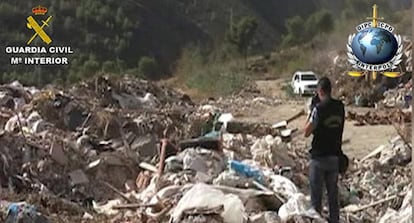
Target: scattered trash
[
  {"x": 128, "y": 150},
  {"x": 24, "y": 213},
  {"x": 246, "y": 170}
]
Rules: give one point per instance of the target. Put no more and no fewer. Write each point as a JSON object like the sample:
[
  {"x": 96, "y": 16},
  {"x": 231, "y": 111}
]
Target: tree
[
  {"x": 109, "y": 67},
  {"x": 242, "y": 33},
  {"x": 319, "y": 22},
  {"x": 295, "y": 31},
  {"x": 91, "y": 66},
  {"x": 149, "y": 68},
  {"x": 300, "y": 31}
]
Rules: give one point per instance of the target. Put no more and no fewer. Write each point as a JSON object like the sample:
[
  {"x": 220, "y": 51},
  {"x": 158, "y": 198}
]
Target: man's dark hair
[{"x": 325, "y": 85}]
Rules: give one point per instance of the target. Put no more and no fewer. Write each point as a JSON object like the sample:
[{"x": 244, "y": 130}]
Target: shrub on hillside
[{"x": 149, "y": 68}]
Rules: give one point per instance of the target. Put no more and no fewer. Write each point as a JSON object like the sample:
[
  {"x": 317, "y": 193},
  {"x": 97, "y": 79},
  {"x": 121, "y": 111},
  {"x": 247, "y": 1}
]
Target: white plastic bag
[
  {"x": 283, "y": 185},
  {"x": 298, "y": 205},
  {"x": 202, "y": 195}
]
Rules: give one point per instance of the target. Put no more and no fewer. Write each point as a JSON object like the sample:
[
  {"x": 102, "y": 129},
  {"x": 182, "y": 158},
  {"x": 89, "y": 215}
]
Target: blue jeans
[{"x": 324, "y": 170}]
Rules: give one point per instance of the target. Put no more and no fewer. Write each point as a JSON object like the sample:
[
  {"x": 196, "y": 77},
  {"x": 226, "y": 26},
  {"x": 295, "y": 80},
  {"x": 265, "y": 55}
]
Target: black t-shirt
[{"x": 328, "y": 128}]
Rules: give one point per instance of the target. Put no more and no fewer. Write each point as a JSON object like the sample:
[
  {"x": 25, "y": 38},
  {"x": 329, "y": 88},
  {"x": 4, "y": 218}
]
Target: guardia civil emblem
[
  {"x": 374, "y": 48},
  {"x": 37, "y": 28}
]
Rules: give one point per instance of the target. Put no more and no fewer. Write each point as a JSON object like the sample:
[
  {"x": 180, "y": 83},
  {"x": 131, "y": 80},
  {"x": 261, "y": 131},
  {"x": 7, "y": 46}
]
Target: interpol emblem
[{"x": 375, "y": 48}]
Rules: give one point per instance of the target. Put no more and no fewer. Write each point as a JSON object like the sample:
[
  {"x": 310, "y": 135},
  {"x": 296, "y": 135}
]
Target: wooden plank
[{"x": 297, "y": 115}]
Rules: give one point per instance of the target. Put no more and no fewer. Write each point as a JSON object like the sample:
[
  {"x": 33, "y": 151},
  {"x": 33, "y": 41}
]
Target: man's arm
[
  {"x": 311, "y": 123},
  {"x": 308, "y": 129}
]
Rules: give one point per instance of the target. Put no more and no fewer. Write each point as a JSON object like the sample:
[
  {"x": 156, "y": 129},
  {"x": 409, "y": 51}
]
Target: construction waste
[{"x": 127, "y": 150}]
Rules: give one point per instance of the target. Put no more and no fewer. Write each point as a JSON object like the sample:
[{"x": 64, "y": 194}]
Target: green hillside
[{"x": 134, "y": 36}]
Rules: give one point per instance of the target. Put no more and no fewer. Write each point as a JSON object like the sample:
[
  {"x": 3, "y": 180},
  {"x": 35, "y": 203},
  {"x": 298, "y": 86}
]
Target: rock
[
  {"x": 39, "y": 126},
  {"x": 114, "y": 167},
  {"x": 128, "y": 101},
  {"x": 395, "y": 154},
  {"x": 173, "y": 164},
  {"x": 6, "y": 100},
  {"x": 73, "y": 116},
  {"x": 130, "y": 185},
  {"x": 264, "y": 202},
  {"x": 390, "y": 216},
  {"x": 202, "y": 177},
  {"x": 265, "y": 217},
  {"x": 13, "y": 123},
  {"x": 145, "y": 145},
  {"x": 270, "y": 151},
  {"x": 203, "y": 142},
  {"x": 200, "y": 218},
  {"x": 88, "y": 216},
  {"x": 228, "y": 178},
  {"x": 33, "y": 117},
  {"x": 57, "y": 153},
  {"x": 202, "y": 160},
  {"x": 107, "y": 208},
  {"x": 78, "y": 177}
]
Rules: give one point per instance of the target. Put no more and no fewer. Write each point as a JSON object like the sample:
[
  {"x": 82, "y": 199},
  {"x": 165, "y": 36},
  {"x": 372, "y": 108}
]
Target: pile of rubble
[
  {"x": 127, "y": 150},
  {"x": 387, "y": 117},
  {"x": 382, "y": 181}
]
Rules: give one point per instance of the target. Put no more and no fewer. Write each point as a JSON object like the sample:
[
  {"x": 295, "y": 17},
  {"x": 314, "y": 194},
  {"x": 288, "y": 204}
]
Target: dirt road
[{"x": 363, "y": 139}]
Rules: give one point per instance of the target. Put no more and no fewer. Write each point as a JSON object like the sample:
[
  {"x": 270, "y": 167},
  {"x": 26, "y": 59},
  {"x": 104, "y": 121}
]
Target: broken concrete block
[
  {"x": 265, "y": 217},
  {"x": 196, "y": 163},
  {"x": 281, "y": 124},
  {"x": 202, "y": 177},
  {"x": 146, "y": 146},
  {"x": 39, "y": 126},
  {"x": 231, "y": 179},
  {"x": 33, "y": 117},
  {"x": 78, "y": 177},
  {"x": 57, "y": 153},
  {"x": 271, "y": 151},
  {"x": 173, "y": 164},
  {"x": 203, "y": 142},
  {"x": 130, "y": 185},
  {"x": 73, "y": 117},
  {"x": 203, "y": 160},
  {"x": 203, "y": 215}
]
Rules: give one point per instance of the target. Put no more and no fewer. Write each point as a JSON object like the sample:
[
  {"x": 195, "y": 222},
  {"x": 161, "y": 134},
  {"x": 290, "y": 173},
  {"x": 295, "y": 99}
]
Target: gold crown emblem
[{"x": 39, "y": 10}]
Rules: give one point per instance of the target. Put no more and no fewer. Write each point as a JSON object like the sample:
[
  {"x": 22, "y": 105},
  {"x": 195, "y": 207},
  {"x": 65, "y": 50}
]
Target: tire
[{"x": 300, "y": 92}]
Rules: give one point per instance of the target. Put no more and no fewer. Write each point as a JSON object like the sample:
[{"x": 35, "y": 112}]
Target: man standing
[{"x": 326, "y": 122}]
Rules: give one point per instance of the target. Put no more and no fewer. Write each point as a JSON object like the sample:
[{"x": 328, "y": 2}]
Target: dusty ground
[{"x": 363, "y": 139}]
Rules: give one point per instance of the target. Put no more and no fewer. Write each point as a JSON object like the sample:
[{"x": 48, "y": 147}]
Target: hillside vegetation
[{"x": 151, "y": 39}]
